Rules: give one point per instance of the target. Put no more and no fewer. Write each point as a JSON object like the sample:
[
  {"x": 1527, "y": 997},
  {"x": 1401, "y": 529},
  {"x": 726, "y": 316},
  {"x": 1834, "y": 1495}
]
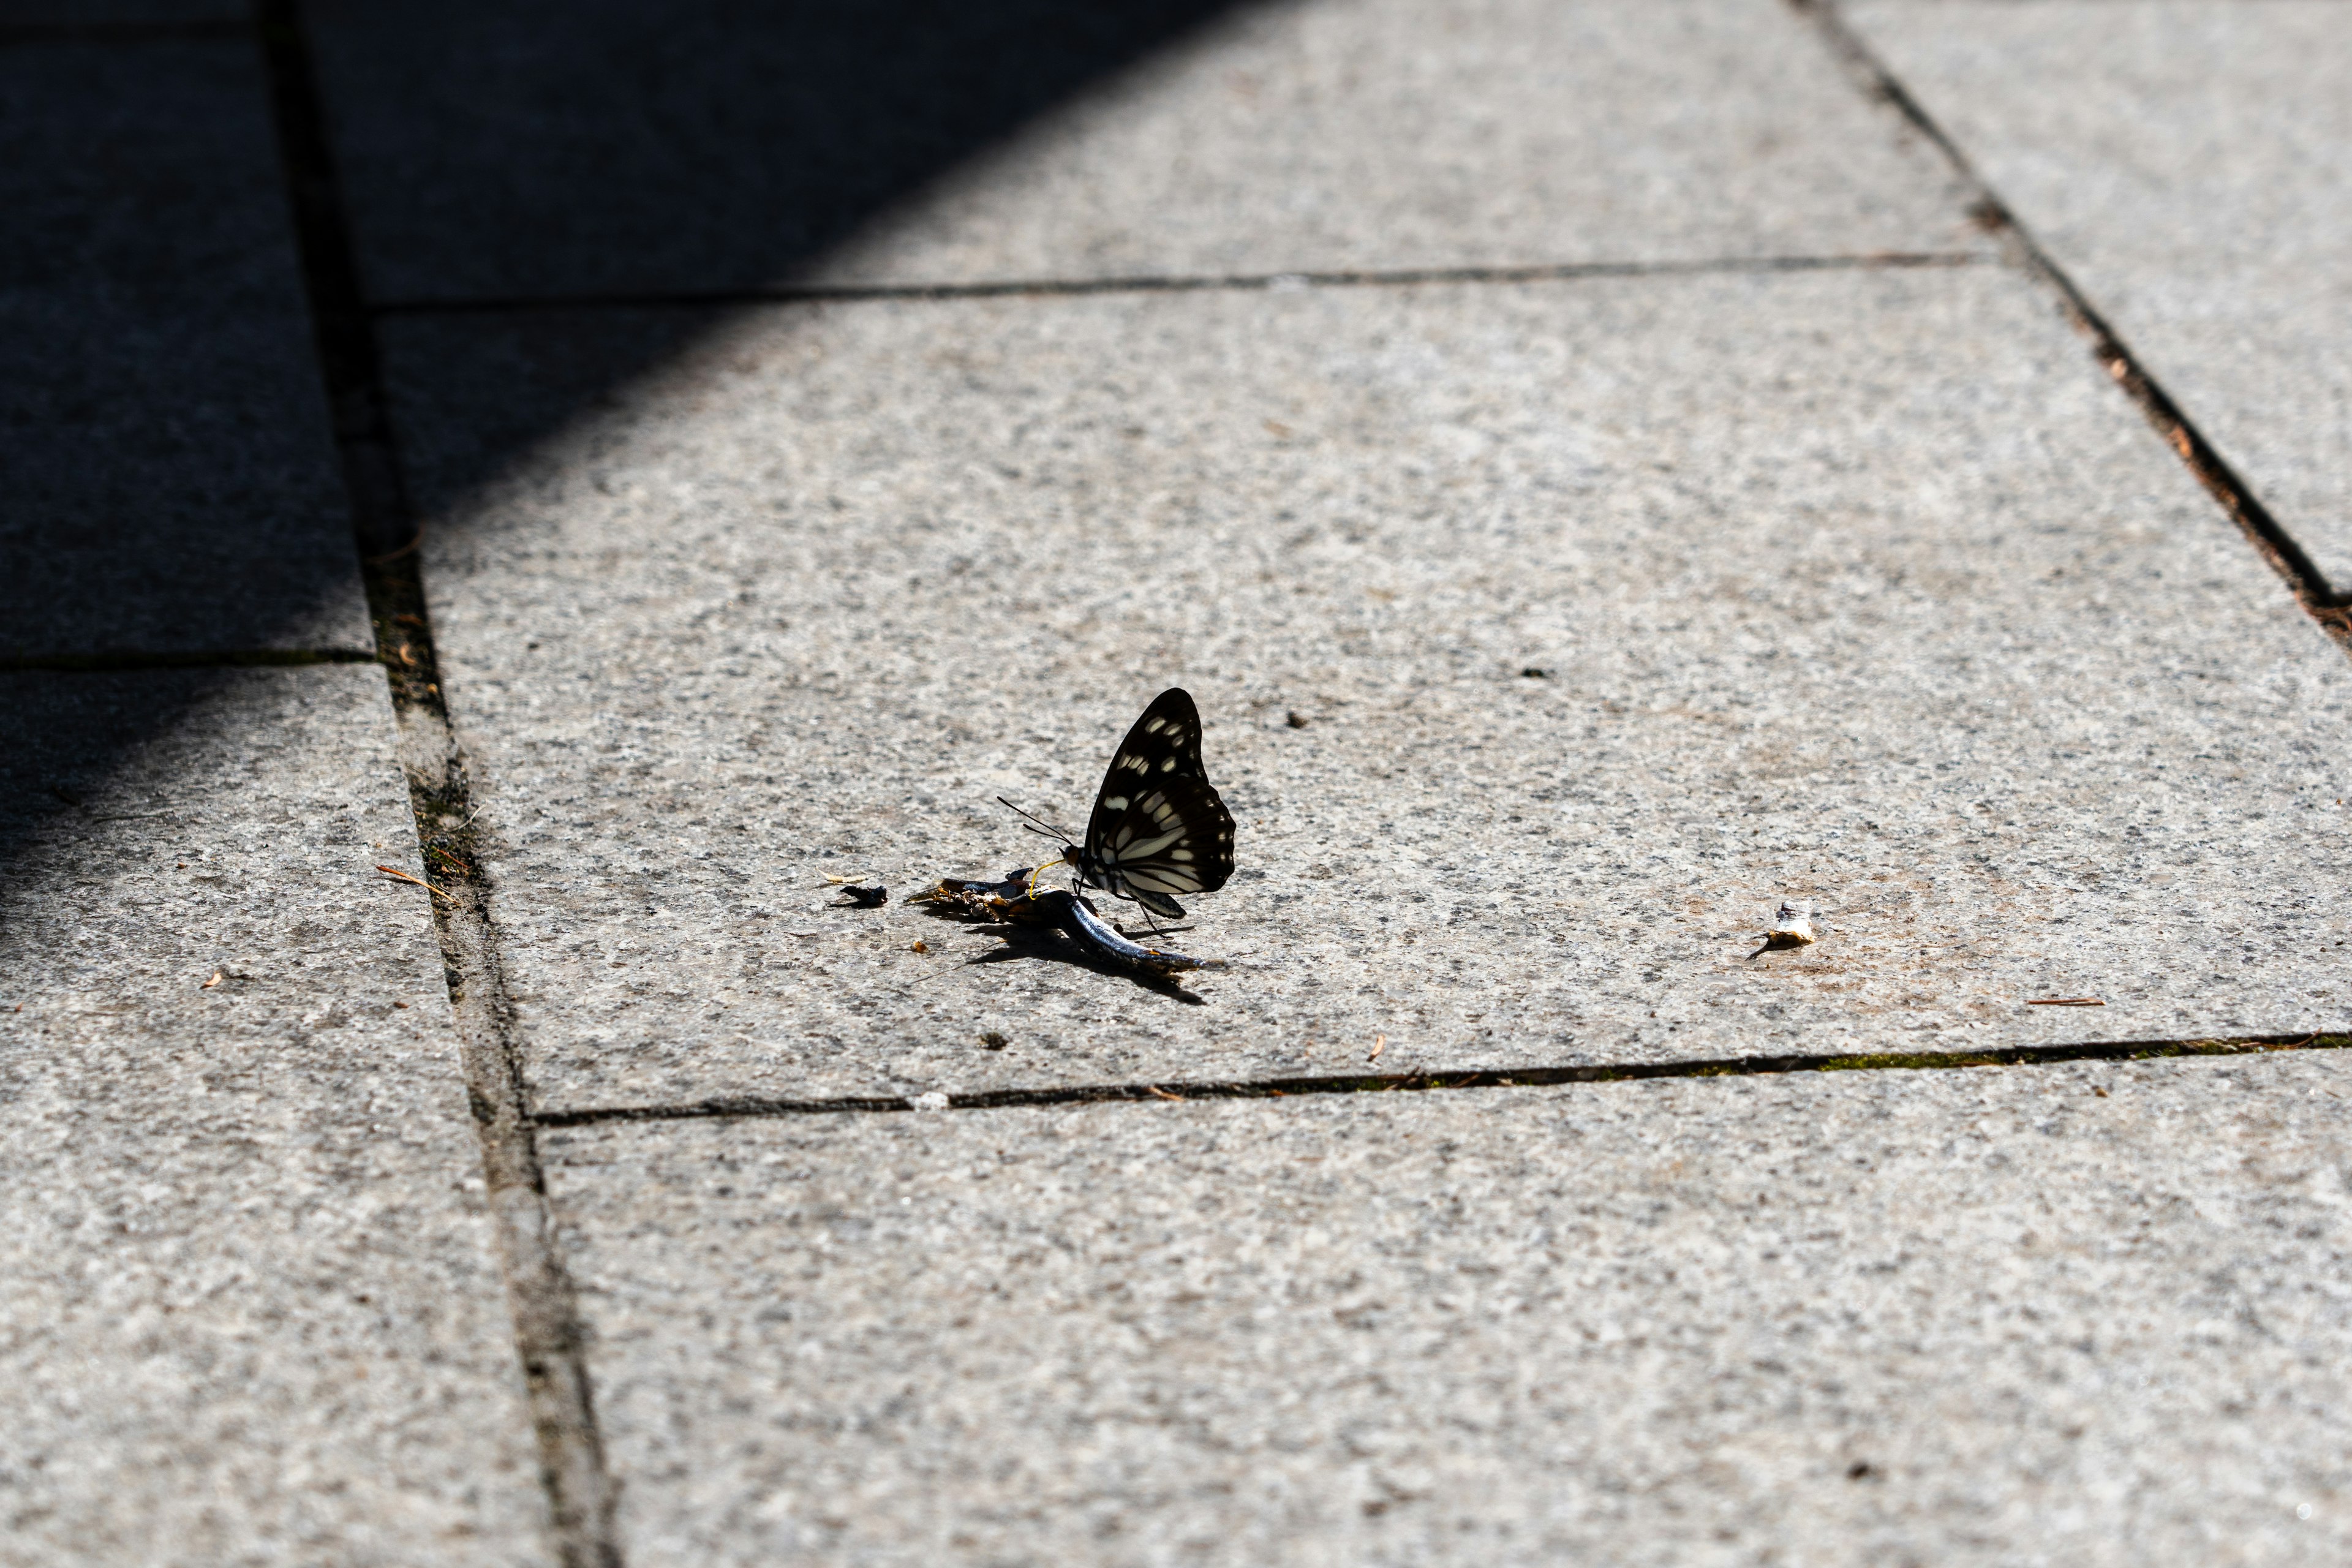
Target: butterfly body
[{"x": 1158, "y": 827}]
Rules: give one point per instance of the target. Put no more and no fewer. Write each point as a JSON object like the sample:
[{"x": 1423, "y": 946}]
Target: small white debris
[
  {"x": 1792, "y": 926},
  {"x": 934, "y": 1101}
]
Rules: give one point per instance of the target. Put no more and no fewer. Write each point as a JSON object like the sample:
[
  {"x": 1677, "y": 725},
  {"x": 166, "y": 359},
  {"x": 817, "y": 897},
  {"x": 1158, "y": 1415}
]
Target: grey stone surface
[
  {"x": 172, "y": 485},
  {"x": 2094, "y": 1314},
  {"x": 249, "y": 1308},
  {"x": 2191, "y": 165},
  {"x": 527, "y": 149},
  {"x": 1862, "y": 589}
]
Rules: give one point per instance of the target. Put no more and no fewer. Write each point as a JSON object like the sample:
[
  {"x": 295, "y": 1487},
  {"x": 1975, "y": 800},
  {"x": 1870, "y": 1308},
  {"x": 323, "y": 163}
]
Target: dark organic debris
[
  {"x": 856, "y": 898},
  {"x": 1013, "y": 901},
  {"x": 1078, "y": 916},
  {"x": 1006, "y": 902}
]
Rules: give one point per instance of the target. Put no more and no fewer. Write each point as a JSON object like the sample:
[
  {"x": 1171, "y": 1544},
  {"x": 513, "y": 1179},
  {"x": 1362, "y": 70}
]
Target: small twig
[
  {"x": 420, "y": 881},
  {"x": 2064, "y": 1002}
]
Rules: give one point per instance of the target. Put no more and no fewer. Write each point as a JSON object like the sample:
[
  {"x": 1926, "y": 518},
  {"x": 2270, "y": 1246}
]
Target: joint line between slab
[
  {"x": 2331, "y": 608},
  {"x": 549, "y": 1335},
  {"x": 1240, "y": 282},
  {"x": 753, "y": 1108}
]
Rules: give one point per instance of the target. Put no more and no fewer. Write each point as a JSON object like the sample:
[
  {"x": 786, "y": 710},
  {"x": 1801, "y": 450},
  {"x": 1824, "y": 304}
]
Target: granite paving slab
[
  {"x": 528, "y": 149},
  {"x": 2191, "y": 165},
  {"x": 172, "y": 487},
  {"x": 1863, "y": 590},
  {"x": 249, "y": 1311},
  {"x": 2093, "y": 1314}
]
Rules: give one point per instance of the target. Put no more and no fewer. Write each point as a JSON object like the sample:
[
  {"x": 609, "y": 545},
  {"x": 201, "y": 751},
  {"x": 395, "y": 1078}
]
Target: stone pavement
[{"x": 1604, "y": 470}]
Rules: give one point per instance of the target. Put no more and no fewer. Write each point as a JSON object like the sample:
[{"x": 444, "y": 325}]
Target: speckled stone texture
[
  {"x": 249, "y": 1308},
  {"x": 2092, "y": 1314},
  {"x": 2191, "y": 165},
  {"x": 172, "y": 486},
  {"x": 535, "y": 149},
  {"x": 1550, "y": 631},
  {"x": 1860, "y": 588}
]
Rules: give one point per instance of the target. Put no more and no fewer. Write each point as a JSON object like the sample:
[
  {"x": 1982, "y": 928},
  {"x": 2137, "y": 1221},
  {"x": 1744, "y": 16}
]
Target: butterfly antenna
[{"x": 1043, "y": 826}]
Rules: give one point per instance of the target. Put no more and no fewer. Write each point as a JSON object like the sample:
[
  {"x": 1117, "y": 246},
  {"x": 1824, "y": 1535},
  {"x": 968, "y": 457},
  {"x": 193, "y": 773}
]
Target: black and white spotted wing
[{"x": 1158, "y": 826}]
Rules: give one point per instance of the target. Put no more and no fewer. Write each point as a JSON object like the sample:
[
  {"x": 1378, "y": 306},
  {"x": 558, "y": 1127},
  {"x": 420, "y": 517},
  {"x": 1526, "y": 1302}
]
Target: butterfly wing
[{"x": 1158, "y": 826}]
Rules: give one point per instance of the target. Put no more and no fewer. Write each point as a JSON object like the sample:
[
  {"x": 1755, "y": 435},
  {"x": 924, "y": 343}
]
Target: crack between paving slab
[
  {"x": 748, "y": 1106},
  {"x": 548, "y": 1334},
  {"x": 2330, "y": 607},
  {"x": 223, "y": 658},
  {"x": 1238, "y": 282}
]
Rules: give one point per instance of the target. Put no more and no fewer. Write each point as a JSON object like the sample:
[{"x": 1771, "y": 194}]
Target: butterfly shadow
[{"x": 1049, "y": 945}]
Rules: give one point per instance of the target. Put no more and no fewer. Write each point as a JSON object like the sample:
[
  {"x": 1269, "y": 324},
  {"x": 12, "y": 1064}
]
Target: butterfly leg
[{"x": 1151, "y": 918}]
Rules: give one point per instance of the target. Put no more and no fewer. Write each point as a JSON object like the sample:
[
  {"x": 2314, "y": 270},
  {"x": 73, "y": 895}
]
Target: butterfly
[{"x": 1158, "y": 826}]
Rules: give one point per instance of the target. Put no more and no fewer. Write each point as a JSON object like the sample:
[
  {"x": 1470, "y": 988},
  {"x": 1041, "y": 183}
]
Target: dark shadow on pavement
[{"x": 161, "y": 420}]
